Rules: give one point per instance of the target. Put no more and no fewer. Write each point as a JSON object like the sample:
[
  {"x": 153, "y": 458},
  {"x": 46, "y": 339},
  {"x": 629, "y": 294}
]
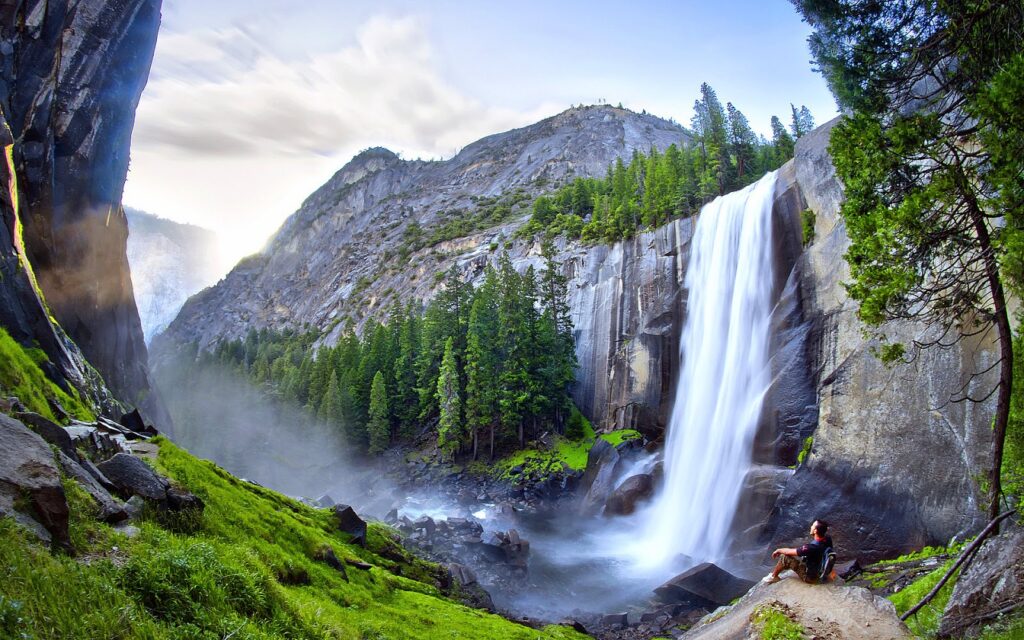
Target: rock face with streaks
[
  {"x": 895, "y": 456},
  {"x": 72, "y": 72}
]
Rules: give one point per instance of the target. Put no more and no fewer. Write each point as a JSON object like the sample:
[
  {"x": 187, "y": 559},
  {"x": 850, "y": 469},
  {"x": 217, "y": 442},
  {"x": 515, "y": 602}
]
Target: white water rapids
[{"x": 724, "y": 351}]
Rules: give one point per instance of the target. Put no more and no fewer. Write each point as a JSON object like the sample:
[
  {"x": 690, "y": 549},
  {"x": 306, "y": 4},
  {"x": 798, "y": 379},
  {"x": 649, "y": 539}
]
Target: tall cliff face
[
  {"x": 896, "y": 457},
  {"x": 70, "y": 82}
]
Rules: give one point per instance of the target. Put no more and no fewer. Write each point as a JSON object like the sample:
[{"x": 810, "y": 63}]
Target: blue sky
[{"x": 252, "y": 104}]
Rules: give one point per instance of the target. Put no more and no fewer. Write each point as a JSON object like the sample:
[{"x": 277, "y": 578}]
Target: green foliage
[
  {"x": 21, "y": 376},
  {"x": 932, "y": 169},
  {"x": 380, "y": 424},
  {"x": 450, "y": 402},
  {"x": 653, "y": 188},
  {"x": 805, "y": 450},
  {"x": 807, "y": 219},
  {"x": 576, "y": 426},
  {"x": 617, "y": 437},
  {"x": 235, "y": 577},
  {"x": 925, "y": 622},
  {"x": 773, "y": 622}
]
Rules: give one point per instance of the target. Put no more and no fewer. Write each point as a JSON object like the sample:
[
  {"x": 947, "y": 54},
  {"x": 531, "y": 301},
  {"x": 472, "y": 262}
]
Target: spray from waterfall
[{"x": 724, "y": 350}]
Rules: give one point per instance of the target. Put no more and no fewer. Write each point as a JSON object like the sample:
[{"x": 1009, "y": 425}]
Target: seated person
[{"x": 806, "y": 560}]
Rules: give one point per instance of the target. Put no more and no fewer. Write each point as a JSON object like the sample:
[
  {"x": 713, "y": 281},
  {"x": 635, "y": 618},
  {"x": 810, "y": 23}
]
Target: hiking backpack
[{"x": 828, "y": 562}]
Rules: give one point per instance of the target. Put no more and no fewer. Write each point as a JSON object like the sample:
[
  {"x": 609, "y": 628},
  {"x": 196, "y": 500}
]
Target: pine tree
[
  {"x": 482, "y": 361},
  {"x": 449, "y": 400},
  {"x": 331, "y": 404},
  {"x": 379, "y": 426}
]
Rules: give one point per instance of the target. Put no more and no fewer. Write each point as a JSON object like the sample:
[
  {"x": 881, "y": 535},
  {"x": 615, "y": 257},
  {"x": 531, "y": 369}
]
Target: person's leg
[{"x": 788, "y": 562}]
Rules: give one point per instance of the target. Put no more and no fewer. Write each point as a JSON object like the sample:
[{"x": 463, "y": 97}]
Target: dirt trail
[{"x": 828, "y": 612}]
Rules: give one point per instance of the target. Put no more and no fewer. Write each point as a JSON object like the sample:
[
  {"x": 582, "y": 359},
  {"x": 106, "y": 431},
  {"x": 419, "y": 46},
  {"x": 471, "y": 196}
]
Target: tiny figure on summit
[{"x": 813, "y": 562}]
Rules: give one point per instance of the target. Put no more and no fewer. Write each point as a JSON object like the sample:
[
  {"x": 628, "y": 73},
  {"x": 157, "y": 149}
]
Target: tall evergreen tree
[
  {"x": 379, "y": 426},
  {"x": 449, "y": 400}
]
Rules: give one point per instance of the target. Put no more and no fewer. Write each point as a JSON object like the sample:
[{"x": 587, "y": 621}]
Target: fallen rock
[
  {"x": 992, "y": 584},
  {"x": 134, "y": 422},
  {"x": 181, "y": 500},
  {"x": 27, "y": 470},
  {"x": 133, "y": 477},
  {"x": 615, "y": 620},
  {"x": 111, "y": 509},
  {"x": 634, "y": 490},
  {"x": 50, "y": 431},
  {"x": 349, "y": 522},
  {"x": 705, "y": 585}
]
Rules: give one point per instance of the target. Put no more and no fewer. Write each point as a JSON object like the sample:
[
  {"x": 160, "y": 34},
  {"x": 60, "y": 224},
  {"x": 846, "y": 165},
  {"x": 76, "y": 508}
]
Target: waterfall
[{"x": 724, "y": 351}]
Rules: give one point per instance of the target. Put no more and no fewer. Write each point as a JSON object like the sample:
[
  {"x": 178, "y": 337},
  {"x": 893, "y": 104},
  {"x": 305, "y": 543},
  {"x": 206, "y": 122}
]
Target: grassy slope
[
  {"x": 21, "y": 376},
  {"x": 246, "y": 568}
]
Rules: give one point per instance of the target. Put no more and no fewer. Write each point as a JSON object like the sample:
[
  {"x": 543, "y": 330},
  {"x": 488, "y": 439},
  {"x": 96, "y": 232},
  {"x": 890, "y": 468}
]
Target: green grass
[
  {"x": 622, "y": 435},
  {"x": 925, "y": 622},
  {"x": 245, "y": 569},
  {"x": 772, "y": 622},
  {"x": 21, "y": 376},
  {"x": 926, "y": 552},
  {"x": 564, "y": 455}
]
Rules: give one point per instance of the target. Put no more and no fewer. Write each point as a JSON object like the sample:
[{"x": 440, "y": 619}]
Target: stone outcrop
[
  {"x": 30, "y": 486},
  {"x": 706, "y": 585},
  {"x": 824, "y": 611},
  {"x": 70, "y": 81},
  {"x": 895, "y": 456}
]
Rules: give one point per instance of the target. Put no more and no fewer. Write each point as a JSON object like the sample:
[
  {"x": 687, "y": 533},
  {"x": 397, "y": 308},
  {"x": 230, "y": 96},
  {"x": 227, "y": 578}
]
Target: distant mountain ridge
[{"x": 347, "y": 251}]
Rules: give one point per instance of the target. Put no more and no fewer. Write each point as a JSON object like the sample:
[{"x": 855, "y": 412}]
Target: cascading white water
[{"x": 724, "y": 353}]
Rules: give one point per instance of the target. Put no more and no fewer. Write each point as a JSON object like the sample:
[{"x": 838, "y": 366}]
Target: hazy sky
[{"x": 252, "y": 104}]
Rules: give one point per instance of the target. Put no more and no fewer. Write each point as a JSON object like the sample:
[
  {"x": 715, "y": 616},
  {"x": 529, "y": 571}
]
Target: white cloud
[
  {"x": 227, "y": 92},
  {"x": 232, "y": 135}
]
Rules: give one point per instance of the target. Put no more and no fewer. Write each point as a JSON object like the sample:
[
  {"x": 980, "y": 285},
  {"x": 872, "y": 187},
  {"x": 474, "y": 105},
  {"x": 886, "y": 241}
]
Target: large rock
[
  {"x": 599, "y": 477},
  {"x": 991, "y": 585},
  {"x": 349, "y": 522},
  {"x": 28, "y": 472},
  {"x": 110, "y": 508},
  {"x": 633, "y": 491},
  {"x": 50, "y": 431},
  {"x": 133, "y": 477},
  {"x": 824, "y": 611},
  {"x": 895, "y": 460},
  {"x": 70, "y": 81},
  {"x": 705, "y": 585}
]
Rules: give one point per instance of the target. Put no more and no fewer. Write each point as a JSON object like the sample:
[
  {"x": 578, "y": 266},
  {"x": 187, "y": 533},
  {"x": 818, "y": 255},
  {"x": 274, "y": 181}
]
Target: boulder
[
  {"x": 462, "y": 574},
  {"x": 993, "y": 584},
  {"x": 134, "y": 422},
  {"x": 50, "y": 431},
  {"x": 27, "y": 470},
  {"x": 133, "y": 477},
  {"x": 615, "y": 620},
  {"x": 111, "y": 509},
  {"x": 599, "y": 477},
  {"x": 705, "y": 585},
  {"x": 181, "y": 500},
  {"x": 349, "y": 522},
  {"x": 629, "y": 494}
]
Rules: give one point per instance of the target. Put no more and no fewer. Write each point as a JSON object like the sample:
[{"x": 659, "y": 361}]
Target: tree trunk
[
  {"x": 476, "y": 442},
  {"x": 1005, "y": 336}
]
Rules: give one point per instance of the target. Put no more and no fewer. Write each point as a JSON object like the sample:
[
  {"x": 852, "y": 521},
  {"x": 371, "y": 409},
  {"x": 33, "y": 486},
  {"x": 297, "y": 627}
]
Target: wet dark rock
[
  {"x": 349, "y": 522},
  {"x": 705, "y": 585},
  {"x": 181, "y": 500},
  {"x": 134, "y": 422},
  {"x": 111, "y": 509},
  {"x": 426, "y": 524},
  {"x": 633, "y": 491},
  {"x": 133, "y": 477},
  {"x": 325, "y": 501},
  {"x": 28, "y": 472}
]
